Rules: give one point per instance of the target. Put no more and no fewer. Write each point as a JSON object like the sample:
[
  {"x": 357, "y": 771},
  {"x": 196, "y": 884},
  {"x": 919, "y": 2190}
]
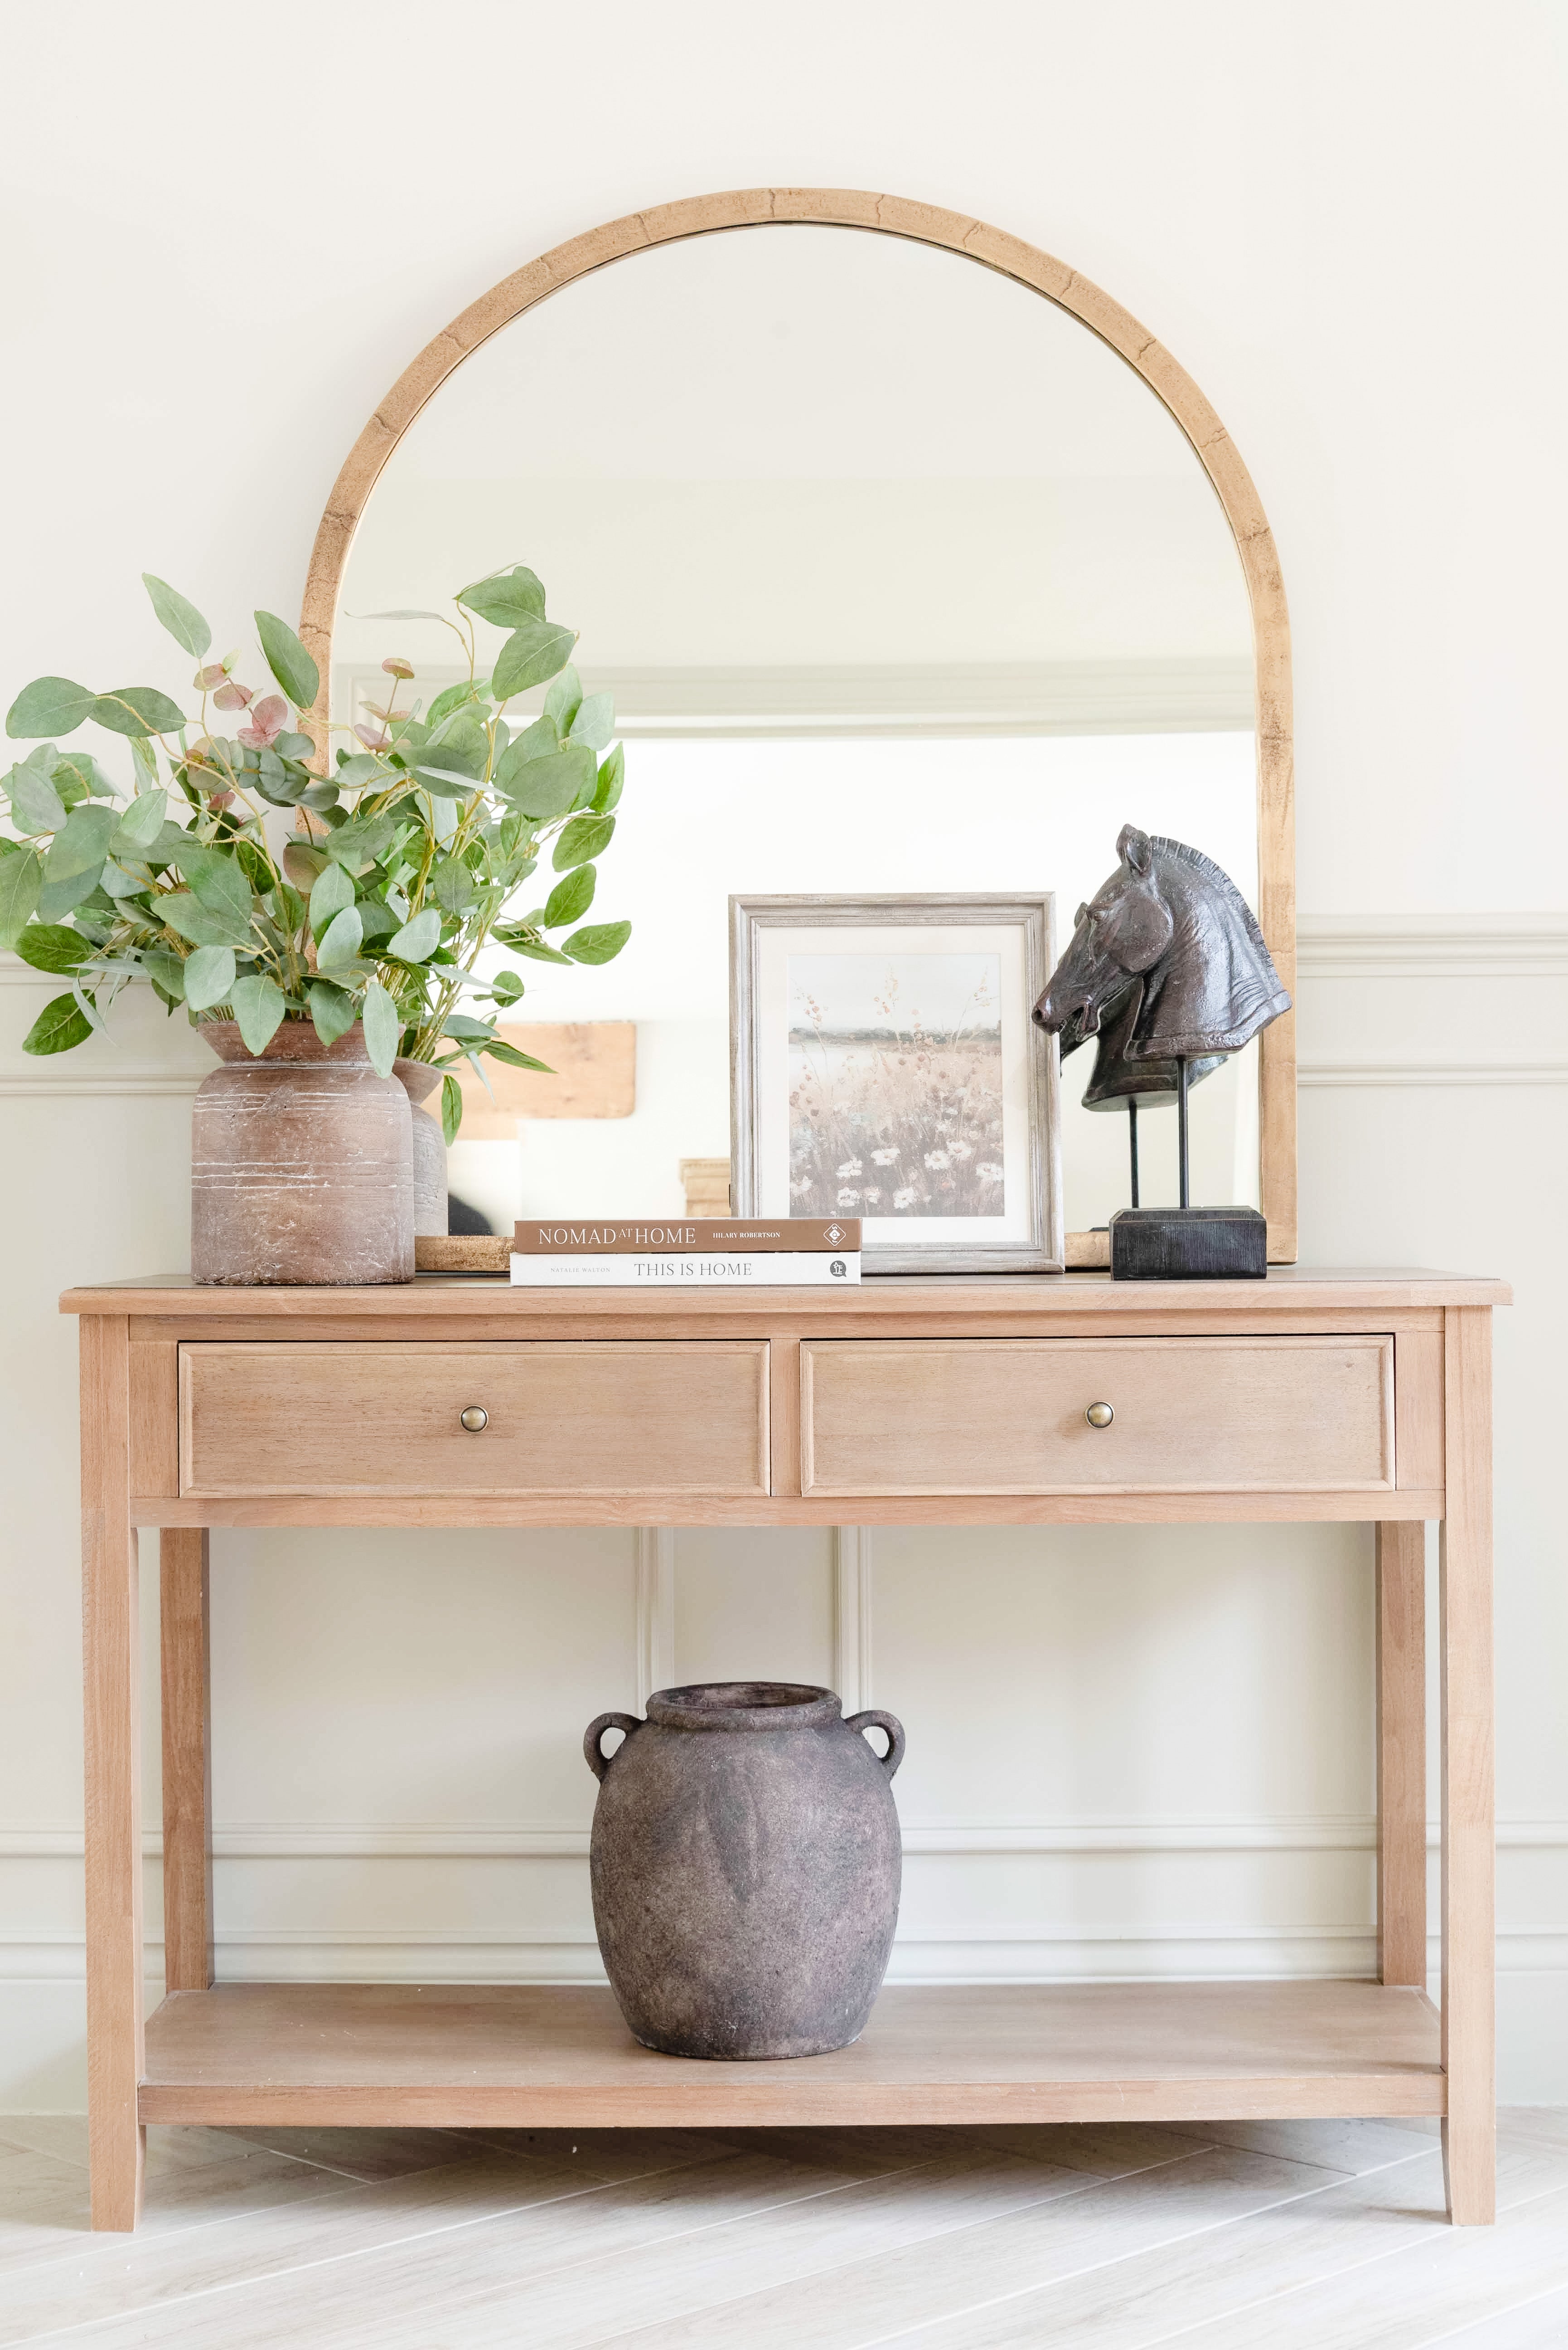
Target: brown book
[{"x": 683, "y": 1235}]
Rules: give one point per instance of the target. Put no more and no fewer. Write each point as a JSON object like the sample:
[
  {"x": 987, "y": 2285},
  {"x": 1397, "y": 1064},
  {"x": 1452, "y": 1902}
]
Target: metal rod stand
[{"x": 1181, "y": 1130}]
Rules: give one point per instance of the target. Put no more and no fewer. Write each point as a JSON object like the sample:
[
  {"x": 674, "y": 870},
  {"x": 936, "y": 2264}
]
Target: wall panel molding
[
  {"x": 525, "y": 1840},
  {"x": 852, "y": 1593},
  {"x": 953, "y": 1953},
  {"x": 963, "y": 700},
  {"x": 1432, "y": 946},
  {"x": 655, "y": 1618},
  {"x": 1431, "y": 1073}
]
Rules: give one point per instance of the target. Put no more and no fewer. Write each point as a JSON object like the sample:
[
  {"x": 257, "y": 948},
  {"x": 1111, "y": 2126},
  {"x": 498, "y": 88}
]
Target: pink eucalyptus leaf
[
  {"x": 220, "y": 799},
  {"x": 206, "y": 679},
  {"x": 396, "y": 666},
  {"x": 267, "y": 723},
  {"x": 374, "y": 738},
  {"x": 231, "y": 696}
]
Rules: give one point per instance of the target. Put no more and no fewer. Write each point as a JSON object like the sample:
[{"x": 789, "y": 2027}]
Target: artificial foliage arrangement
[{"x": 241, "y": 882}]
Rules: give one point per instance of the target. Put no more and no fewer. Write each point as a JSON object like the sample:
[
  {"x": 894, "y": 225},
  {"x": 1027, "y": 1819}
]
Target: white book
[{"x": 761, "y": 1268}]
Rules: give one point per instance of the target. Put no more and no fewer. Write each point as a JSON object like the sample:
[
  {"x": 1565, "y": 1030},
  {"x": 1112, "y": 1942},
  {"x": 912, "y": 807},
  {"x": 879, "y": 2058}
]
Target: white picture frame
[{"x": 885, "y": 1065}]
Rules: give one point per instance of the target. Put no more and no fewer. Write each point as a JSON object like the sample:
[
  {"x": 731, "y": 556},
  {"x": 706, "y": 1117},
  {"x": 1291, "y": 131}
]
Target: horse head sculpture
[{"x": 1169, "y": 946}]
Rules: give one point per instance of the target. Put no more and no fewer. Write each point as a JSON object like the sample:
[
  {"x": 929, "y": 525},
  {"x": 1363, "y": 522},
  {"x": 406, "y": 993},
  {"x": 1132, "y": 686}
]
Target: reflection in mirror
[{"x": 902, "y": 579}]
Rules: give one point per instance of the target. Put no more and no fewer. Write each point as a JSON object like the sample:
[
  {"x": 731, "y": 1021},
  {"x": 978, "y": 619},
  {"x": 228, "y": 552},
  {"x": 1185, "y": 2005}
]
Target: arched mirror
[{"x": 904, "y": 578}]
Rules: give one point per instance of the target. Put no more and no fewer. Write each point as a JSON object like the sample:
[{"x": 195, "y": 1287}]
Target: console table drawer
[
  {"x": 575, "y": 1419},
  {"x": 1008, "y": 1416}
]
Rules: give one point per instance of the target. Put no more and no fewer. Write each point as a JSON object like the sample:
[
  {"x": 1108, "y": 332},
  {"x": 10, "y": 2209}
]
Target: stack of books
[{"x": 701, "y": 1251}]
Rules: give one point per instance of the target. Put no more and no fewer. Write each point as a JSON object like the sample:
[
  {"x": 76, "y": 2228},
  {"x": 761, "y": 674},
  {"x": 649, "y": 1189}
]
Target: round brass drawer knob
[
  {"x": 474, "y": 1418},
  {"x": 1099, "y": 1415}
]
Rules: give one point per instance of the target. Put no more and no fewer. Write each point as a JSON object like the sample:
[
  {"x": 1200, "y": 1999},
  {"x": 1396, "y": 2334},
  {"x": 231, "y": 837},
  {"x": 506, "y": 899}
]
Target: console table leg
[
  {"x": 1470, "y": 2127},
  {"x": 186, "y": 1654},
  {"x": 110, "y": 1645},
  {"x": 1401, "y": 1751}
]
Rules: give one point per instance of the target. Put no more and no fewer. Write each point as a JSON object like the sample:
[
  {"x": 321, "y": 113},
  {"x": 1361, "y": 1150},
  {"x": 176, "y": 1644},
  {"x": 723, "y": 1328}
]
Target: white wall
[{"x": 224, "y": 239}]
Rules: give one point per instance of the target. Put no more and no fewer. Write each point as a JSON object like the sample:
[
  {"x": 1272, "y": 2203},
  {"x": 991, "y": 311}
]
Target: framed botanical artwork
[{"x": 885, "y": 1065}]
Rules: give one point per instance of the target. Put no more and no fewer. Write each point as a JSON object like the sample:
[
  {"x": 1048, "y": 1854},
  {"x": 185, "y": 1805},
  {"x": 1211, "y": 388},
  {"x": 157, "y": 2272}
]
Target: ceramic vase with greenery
[{"x": 248, "y": 878}]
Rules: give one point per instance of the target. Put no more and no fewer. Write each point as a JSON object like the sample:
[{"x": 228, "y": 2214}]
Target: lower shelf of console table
[{"x": 458, "y": 2056}]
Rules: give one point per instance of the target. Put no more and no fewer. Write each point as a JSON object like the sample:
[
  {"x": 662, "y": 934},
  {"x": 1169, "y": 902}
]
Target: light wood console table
[{"x": 939, "y": 1401}]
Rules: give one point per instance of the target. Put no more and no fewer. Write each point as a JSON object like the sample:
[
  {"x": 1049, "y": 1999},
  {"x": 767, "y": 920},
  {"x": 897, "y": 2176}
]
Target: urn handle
[
  {"x": 598, "y": 1762},
  {"x": 872, "y": 1718}
]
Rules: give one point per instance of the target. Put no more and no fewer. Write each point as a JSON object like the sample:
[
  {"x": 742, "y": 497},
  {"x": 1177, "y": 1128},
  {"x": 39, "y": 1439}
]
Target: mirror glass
[{"x": 902, "y": 580}]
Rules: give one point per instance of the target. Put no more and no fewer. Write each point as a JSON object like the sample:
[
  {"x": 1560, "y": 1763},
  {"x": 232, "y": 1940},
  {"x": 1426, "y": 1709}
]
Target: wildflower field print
[{"x": 895, "y": 1078}]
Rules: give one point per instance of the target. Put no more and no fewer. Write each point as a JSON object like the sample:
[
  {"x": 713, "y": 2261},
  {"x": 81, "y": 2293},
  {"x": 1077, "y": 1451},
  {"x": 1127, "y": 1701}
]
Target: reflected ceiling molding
[{"x": 1017, "y": 698}]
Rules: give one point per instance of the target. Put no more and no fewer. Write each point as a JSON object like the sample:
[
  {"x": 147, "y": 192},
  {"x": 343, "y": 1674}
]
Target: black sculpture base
[{"x": 1189, "y": 1244}]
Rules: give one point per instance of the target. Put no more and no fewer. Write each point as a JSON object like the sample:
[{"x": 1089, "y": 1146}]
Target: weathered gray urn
[
  {"x": 301, "y": 1164},
  {"x": 745, "y": 1866}
]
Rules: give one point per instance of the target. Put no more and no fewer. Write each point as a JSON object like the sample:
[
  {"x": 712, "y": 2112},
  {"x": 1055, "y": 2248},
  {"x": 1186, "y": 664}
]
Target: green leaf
[
  {"x": 594, "y": 722},
  {"x": 50, "y": 705},
  {"x": 342, "y": 939},
  {"x": 76, "y": 860},
  {"x": 223, "y": 887},
  {"x": 333, "y": 1012},
  {"x": 281, "y": 785},
  {"x": 450, "y": 1108},
  {"x": 363, "y": 769},
  {"x": 467, "y": 1030},
  {"x": 506, "y": 597},
  {"x": 547, "y": 787},
  {"x": 319, "y": 796},
  {"x": 462, "y": 740},
  {"x": 455, "y": 697},
  {"x": 60, "y": 1024},
  {"x": 417, "y": 938},
  {"x": 383, "y": 1028},
  {"x": 204, "y": 926},
  {"x": 258, "y": 1008},
  {"x": 499, "y": 1050},
  {"x": 209, "y": 977},
  {"x": 453, "y": 885},
  {"x": 585, "y": 836},
  {"x": 141, "y": 825},
  {"x": 532, "y": 742},
  {"x": 444, "y": 784},
  {"x": 376, "y": 921},
  {"x": 166, "y": 970},
  {"x": 288, "y": 660},
  {"x": 138, "y": 710},
  {"x": 563, "y": 700},
  {"x": 49, "y": 946},
  {"x": 301, "y": 864},
  {"x": 507, "y": 987},
  {"x": 21, "y": 878},
  {"x": 360, "y": 842},
  {"x": 535, "y": 650},
  {"x": 36, "y": 805},
  {"x": 519, "y": 944},
  {"x": 598, "y": 943},
  {"x": 612, "y": 781},
  {"x": 182, "y": 619},
  {"x": 331, "y": 893},
  {"x": 570, "y": 899},
  {"x": 77, "y": 776}
]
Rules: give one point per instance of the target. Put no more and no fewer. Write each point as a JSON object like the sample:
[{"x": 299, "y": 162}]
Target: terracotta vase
[
  {"x": 301, "y": 1164},
  {"x": 745, "y": 1862},
  {"x": 419, "y": 1081}
]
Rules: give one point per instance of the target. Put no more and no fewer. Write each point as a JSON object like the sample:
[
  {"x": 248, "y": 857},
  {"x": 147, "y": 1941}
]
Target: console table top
[{"x": 1288, "y": 1289}]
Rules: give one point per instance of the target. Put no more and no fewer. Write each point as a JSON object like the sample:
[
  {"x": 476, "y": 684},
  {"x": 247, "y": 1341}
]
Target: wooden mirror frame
[{"x": 993, "y": 249}]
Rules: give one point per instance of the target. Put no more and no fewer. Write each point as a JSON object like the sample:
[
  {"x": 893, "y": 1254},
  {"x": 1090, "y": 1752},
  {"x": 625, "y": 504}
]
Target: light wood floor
[{"x": 1232, "y": 2236}]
